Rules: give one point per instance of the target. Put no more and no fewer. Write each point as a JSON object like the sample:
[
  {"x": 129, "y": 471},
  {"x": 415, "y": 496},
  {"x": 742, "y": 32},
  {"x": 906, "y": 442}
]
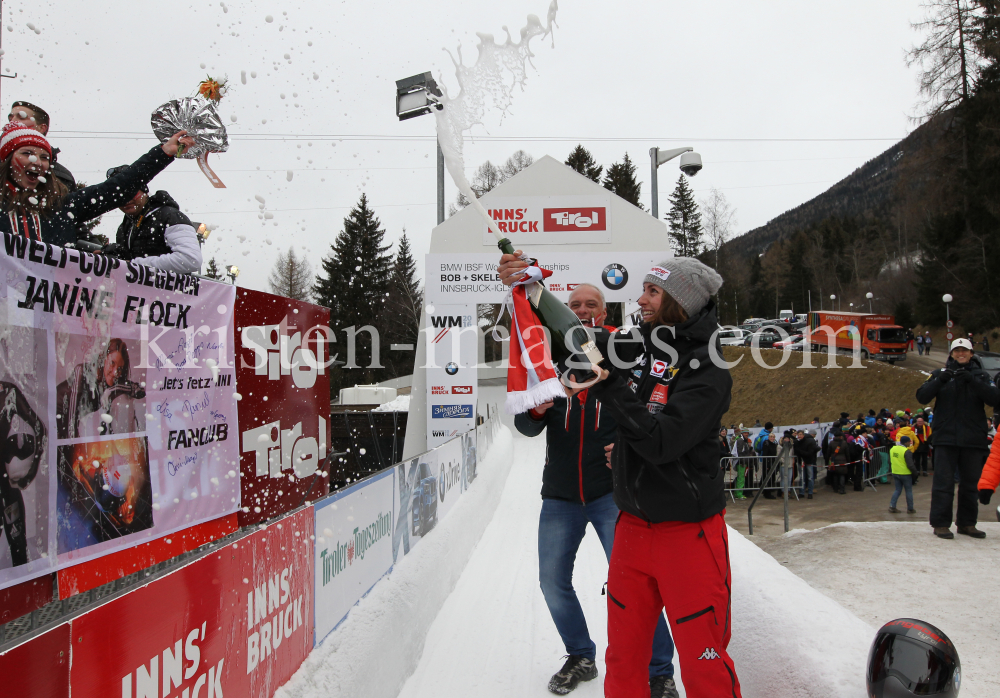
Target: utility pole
[{"x": 440, "y": 192}]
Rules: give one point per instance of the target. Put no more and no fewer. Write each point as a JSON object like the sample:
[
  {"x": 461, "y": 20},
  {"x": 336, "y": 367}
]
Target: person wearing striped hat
[
  {"x": 37, "y": 118},
  {"x": 38, "y": 206}
]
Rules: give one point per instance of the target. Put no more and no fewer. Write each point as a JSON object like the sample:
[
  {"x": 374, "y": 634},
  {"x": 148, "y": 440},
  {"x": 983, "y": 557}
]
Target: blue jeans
[
  {"x": 808, "y": 479},
  {"x": 903, "y": 481},
  {"x": 561, "y": 527}
]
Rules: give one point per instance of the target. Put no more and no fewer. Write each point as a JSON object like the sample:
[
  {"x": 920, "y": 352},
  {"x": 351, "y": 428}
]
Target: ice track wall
[{"x": 378, "y": 645}]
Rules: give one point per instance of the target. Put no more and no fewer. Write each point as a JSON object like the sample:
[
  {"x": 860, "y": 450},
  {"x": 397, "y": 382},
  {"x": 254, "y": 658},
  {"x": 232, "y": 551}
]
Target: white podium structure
[{"x": 572, "y": 225}]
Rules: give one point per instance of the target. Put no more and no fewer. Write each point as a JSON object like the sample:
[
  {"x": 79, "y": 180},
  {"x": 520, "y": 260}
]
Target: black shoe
[
  {"x": 663, "y": 687},
  {"x": 809, "y": 496},
  {"x": 575, "y": 670}
]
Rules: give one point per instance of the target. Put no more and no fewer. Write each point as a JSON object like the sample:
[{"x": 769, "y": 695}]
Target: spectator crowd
[
  {"x": 850, "y": 451},
  {"x": 962, "y": 451}
]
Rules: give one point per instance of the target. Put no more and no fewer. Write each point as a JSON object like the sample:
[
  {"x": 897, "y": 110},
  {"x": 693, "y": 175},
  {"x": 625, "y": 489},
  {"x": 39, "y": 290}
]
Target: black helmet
[{"x": 912, "y": 658}]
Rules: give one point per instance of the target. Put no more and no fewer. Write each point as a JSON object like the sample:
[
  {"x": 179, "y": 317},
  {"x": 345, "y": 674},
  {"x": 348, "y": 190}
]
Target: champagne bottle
[{"x": 560, "y": 321}]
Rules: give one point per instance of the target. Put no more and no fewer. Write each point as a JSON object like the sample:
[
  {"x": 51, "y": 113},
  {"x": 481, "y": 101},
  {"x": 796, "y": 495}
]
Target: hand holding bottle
[{"x": 511, "y": 267}]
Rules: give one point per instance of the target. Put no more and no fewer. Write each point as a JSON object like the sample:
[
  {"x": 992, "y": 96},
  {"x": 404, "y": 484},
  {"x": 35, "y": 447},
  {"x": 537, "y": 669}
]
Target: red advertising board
[
  {"x": 38, "y": 668},
  {"x": 90, "y": 575},
  {"x": 284, "y": 386},
  {"x": 237, "y": 622},
  {"x": 568, "y": 219},
  {"x": 25, "y": 597}
]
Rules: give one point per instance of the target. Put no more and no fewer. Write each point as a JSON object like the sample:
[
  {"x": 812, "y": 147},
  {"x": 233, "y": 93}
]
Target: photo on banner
[
  {"x": 99, "y": 391},
  {"x": 24, "y": 466},
  {"x": 105, "y": 491}
]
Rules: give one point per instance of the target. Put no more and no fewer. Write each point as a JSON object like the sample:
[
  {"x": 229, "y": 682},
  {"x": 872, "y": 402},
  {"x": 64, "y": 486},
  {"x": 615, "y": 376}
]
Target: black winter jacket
[
  {"x": 961, "y": 394},
  {"x": 60, "y": 171},
  {"x": 666, "y": 456},
  {"x": 575, "y": 465},
  {"x": 159, "y": 236},
  {"x": 87, "y": 203},
  {"x": 806, "y": 449}
]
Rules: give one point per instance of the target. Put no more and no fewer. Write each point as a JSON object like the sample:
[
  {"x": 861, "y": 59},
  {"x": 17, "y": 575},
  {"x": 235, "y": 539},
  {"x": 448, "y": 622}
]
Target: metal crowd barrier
[
  {"x": 875, "y": 466},
  {"x": 756, "y": 474}
]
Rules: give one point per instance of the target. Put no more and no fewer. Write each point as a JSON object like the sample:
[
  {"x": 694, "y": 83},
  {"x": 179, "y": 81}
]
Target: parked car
[
  {"x": 765, "y": 337},
  {"x": 793, "y": 339},
  {"x": 991, "y": 363},
  {"x": 750, "y": 326},
  {"x": 733, "y": 337}
]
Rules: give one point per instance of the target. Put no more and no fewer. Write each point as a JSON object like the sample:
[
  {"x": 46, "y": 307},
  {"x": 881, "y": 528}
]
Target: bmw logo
[
  {"x": 614, "y": 276},
  {"x": 451, "y": 368}
]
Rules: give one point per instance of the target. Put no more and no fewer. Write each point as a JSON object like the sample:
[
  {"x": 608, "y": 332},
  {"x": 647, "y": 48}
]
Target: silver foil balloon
[{"x": 196, "y": 115}]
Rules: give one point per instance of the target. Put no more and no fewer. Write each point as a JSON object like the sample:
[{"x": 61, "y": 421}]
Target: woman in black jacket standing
[
  {"x": 961, "y": 390},
  {"x": 40, "y": 207},
  {"x": 671, "y": 546}
]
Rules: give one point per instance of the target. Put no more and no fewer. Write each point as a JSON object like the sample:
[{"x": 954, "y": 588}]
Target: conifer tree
[
  {"x": 685, "y": 220},
  {"x": 583, "y": 162},
  {"x": 354, "y": 284},
  {"x": 403, "y": 308},
  {"x": 620, "y": 179},
  {"x": 212, "y": 271}
]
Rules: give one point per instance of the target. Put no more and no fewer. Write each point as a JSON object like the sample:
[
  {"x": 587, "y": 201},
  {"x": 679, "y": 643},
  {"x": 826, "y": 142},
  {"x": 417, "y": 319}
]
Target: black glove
[
  {"x": 984, "y": 496},
  {"x": 942, "y": 374},
  {"x": 963, "y": 377},
  {"x": 112, "y": 250}
]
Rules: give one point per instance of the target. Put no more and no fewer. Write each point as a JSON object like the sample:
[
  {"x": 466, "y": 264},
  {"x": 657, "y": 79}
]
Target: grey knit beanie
[{"x": 687, "y": 280}]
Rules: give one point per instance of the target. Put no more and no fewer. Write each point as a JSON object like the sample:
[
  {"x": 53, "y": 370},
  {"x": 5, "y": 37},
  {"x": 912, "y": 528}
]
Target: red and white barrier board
[
  {"x": 284, "y": 384},
  {"x": 237, "y": 622},
  {"x": 118, "y": 403}
]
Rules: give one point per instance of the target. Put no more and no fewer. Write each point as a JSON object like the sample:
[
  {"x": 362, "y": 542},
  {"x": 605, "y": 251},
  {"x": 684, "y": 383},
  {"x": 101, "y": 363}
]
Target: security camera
[{"x": 691, "y": 164}]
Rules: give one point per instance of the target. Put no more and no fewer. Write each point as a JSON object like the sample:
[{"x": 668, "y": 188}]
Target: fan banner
[{"x": 118, "y": 418}]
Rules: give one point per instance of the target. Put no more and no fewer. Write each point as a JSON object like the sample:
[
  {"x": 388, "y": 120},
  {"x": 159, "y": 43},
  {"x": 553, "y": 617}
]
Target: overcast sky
[{"x": 782, "y": 98}]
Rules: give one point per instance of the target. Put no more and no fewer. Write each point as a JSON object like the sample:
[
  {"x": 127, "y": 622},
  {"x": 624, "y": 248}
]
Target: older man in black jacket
[
  {"x": 576, "y": 489},
  {"x": 961, "y": 390}
]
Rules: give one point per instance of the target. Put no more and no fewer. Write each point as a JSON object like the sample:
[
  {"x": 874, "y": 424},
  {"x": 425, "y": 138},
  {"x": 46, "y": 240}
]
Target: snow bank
[
  {"x": 400, "y": 404},
  {"x": 885, "y": 570},
  {"x": 790, "y": 640},
  {"x": 379, "y": 644}
]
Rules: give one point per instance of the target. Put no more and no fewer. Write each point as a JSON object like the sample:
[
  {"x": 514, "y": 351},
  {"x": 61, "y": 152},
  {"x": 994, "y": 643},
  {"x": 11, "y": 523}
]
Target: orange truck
[{"x": 881, "y": 338}]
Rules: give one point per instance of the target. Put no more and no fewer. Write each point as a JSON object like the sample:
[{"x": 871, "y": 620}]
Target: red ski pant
[{"x": 684, "y": 568}]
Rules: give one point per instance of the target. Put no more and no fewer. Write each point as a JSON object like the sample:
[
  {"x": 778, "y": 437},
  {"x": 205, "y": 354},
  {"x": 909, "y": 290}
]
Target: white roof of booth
[{"x": 632, "y": 229}]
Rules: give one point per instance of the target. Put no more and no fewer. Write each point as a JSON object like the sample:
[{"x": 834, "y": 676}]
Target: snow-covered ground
[
  {"x": 882, "y": 571},
  {"x": 493, "y": 636}
]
